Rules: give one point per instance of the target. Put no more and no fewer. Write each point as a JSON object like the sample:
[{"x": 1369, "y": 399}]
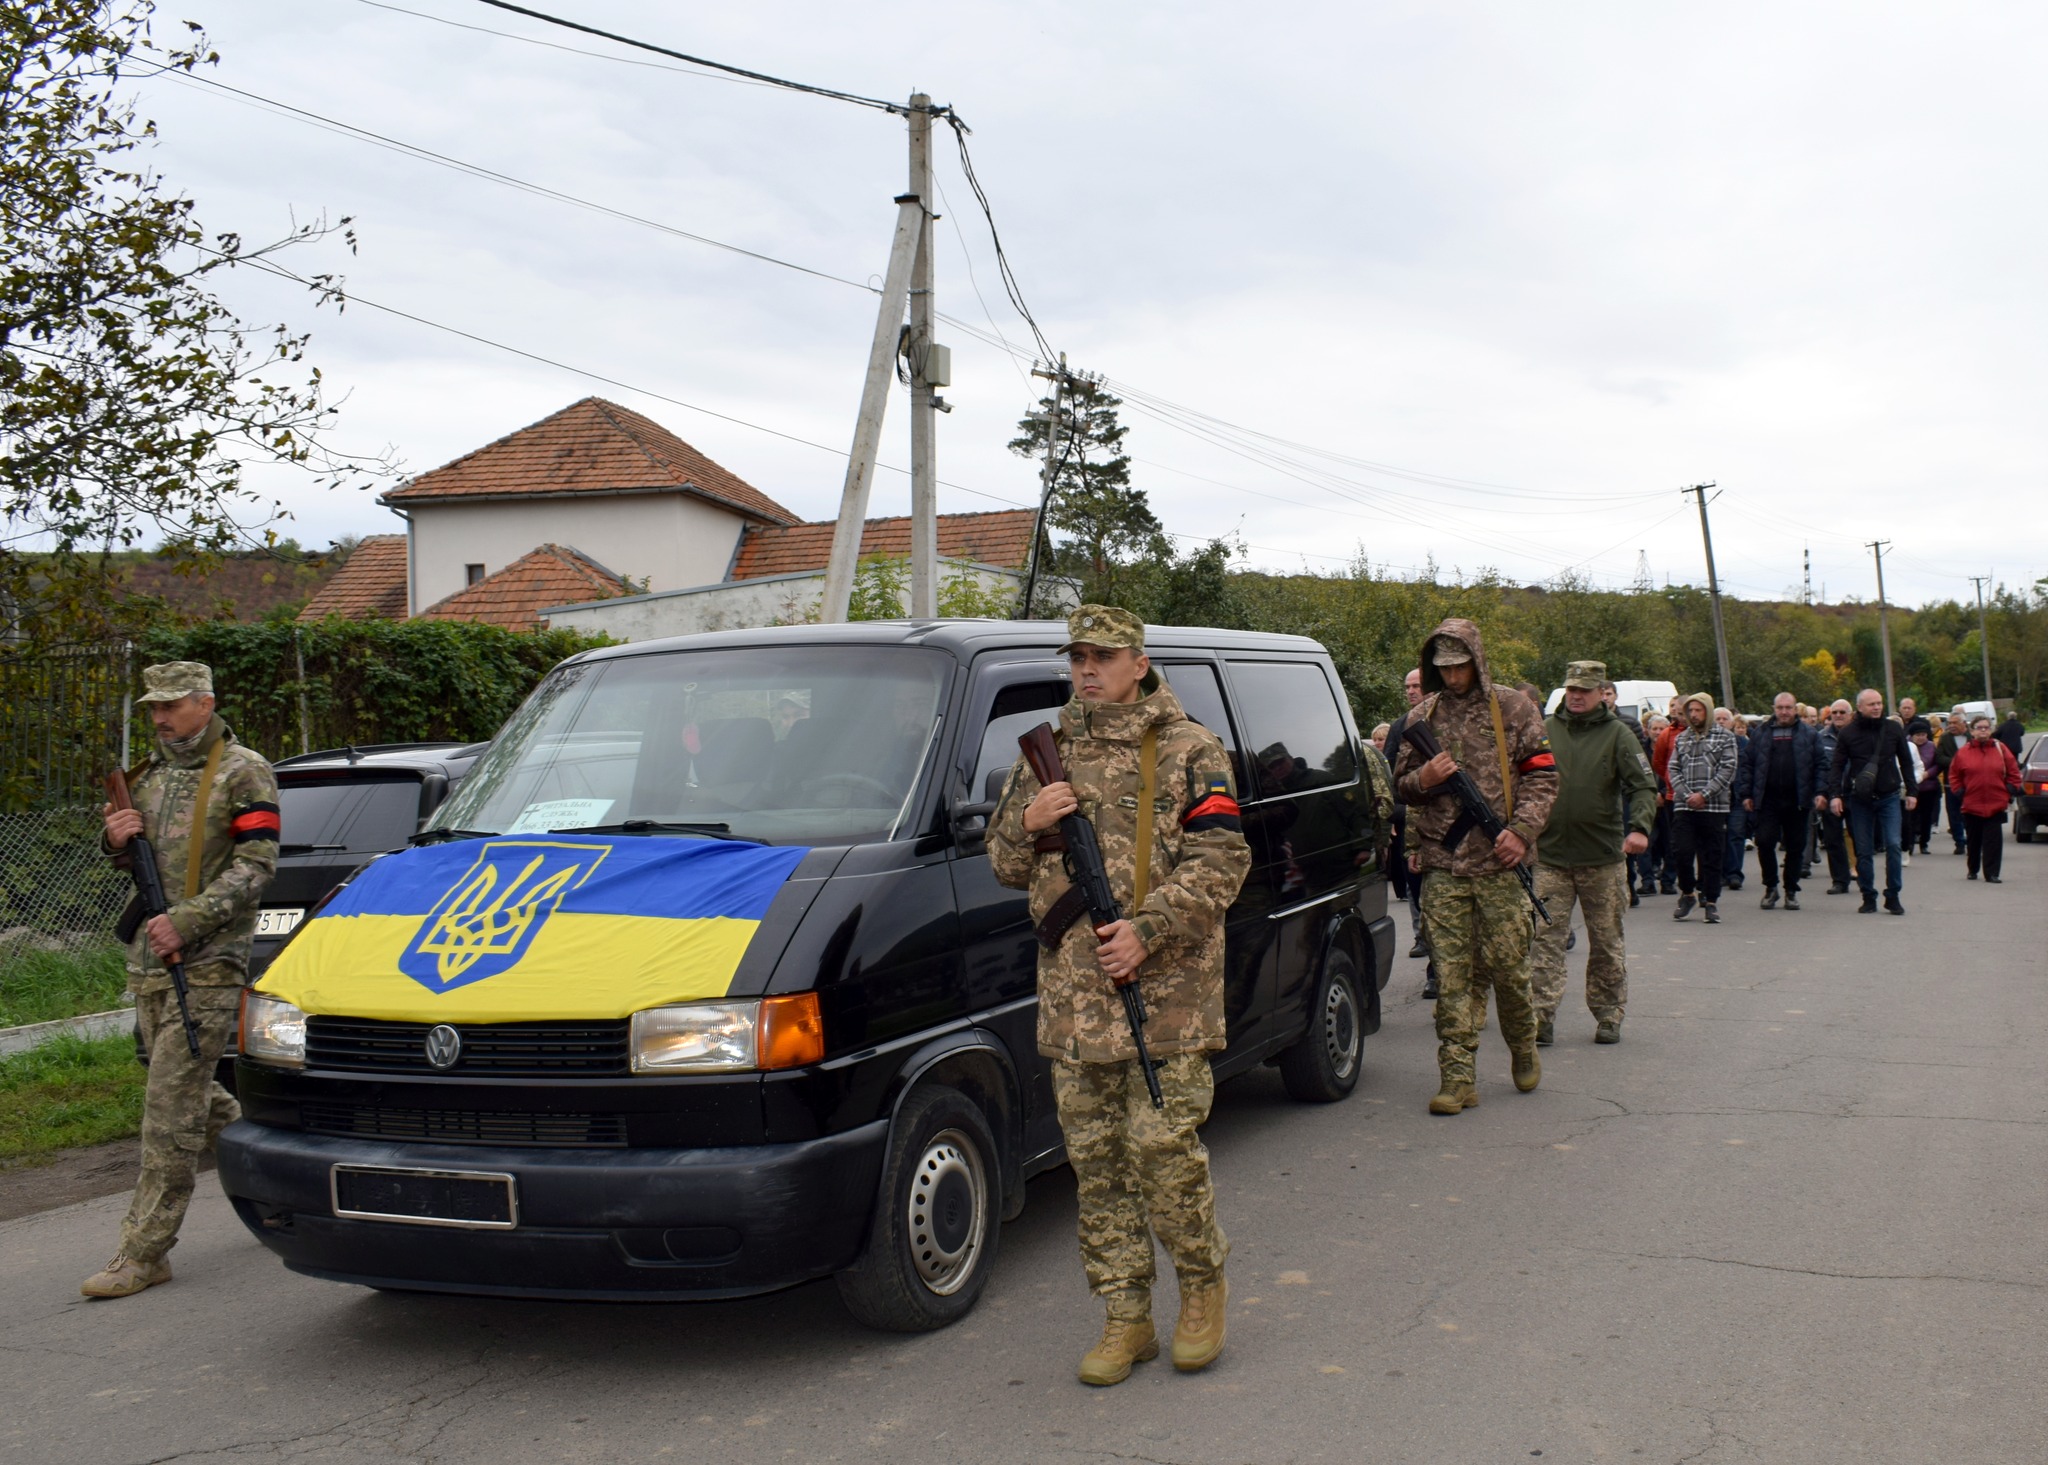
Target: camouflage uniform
[
  {"x": 1130, "y": 1159},
  {"x": 1473, "y": 911},
  {"x": 184, "y": 1109}
]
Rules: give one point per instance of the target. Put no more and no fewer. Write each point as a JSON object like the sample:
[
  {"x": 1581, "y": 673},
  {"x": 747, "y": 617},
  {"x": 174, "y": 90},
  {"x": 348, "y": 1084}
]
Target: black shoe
[
  {"x": 1667, "y": 890},
  {"x": 1571, "y": 939},
  {"x": 1735, "y": 884},
  {"x": 1420, "y": 948},
  {"x": 1973, "y": 875},
  {"x": 1892, "y": 906},
  {"x": 1993, "y": 880},
  {"x": 1770, "y": 900},
  {"x": 1634, "y": 899},
  {"x": 1791, "y": 900},
  {"x": 1840, "y": 887},
  {"x": 1711, "y": 912},
  {"x": 1429, "y": 992},
  {"x": 1869, "y": 906},
  {"x": 1959, "y": 850},
  {"x": 1685, "y": 905}
]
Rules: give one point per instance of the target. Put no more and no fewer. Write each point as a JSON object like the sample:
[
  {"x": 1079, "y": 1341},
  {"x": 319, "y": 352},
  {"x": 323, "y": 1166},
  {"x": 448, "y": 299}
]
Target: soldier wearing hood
[
  {"x": 1474, "y": 911},
  {"x": 1139, "y": 1171}
]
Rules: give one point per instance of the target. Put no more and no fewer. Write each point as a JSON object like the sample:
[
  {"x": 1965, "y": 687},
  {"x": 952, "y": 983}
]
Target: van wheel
[
  {"x": 1324, "y": 1066},
  {"x": 932, "y": 1242}
]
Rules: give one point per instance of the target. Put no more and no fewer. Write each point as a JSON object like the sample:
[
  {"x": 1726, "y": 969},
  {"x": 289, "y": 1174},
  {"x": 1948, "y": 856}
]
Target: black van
[{"x": 559, "y": 1159}]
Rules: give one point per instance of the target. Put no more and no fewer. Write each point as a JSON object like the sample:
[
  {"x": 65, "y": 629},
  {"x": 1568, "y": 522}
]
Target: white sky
[{"x": 1587, "y": 253}]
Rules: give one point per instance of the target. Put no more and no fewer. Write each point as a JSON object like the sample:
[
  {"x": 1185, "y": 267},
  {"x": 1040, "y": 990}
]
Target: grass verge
[
  {"x": 41, "y": 986},
  {"x": 68, "y": 1092}
]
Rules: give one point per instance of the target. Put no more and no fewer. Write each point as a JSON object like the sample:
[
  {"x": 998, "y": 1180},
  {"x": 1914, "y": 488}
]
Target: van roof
[{"x": 964, "y": 638}]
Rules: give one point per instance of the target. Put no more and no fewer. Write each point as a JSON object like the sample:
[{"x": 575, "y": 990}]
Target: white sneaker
[{"x": 1904, "y": 860}]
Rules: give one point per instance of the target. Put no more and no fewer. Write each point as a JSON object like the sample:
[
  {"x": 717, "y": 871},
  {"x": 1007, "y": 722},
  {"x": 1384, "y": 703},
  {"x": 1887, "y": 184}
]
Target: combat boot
[
  {"x": 1609, "y": 1030},
  {"x": 1454, "y": 1098},
  {"x": 1127, "y": 1338},
  {"x": 1528, "y": 1069},
  {"x": 124, "y": 1276},
  {"x": 1546, "y": 1031},
  {"x": 1198, "y": 1332}
]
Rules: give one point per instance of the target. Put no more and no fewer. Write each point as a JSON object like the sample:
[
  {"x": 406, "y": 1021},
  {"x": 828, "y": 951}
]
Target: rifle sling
[
  {"x": 195, "y": 857},
  {"x": 1069, "y": 908},
  {"x": 1500, "y": 743}
]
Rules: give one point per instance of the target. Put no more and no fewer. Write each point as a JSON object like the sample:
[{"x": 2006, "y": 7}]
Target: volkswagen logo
[{"x": 444, "y": 1046}]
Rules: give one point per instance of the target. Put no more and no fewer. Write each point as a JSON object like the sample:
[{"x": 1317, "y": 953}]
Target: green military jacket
[
  {"x": 236, "y": 860},
  {"x": 1197, "y": 862},
  {"x": 1599, "y": 764}
]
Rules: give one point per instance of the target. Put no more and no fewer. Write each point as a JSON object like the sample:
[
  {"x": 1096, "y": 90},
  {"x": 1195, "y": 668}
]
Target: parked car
[
  {"x": 1635, "y": 700},
  {"x": 852, "y": 1085},
  {"x": 2030, "y": 809}
]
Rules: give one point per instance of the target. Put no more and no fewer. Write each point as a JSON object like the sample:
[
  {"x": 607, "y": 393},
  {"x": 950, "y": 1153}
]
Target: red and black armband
[
  {"x": 1213, "y": 808},
  {"x": 1537, "y": 761},
  {"x": 254, "y": 821}
]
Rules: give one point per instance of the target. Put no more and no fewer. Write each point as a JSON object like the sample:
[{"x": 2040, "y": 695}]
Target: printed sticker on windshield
[{"x": 553, "y": 814}]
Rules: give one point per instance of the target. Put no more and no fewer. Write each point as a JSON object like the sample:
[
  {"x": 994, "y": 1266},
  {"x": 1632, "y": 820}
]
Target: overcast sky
[{"x": 1584, "y": 254}]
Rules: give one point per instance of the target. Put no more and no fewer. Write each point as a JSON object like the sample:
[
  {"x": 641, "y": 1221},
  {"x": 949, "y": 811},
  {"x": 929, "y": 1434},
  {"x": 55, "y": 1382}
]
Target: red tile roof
[
  {"x": 513, "y": 598},
  {"x": 1002, "y": 538},
  {"x": 592, "y": 446},
  {"x": 371, "y": 583}
]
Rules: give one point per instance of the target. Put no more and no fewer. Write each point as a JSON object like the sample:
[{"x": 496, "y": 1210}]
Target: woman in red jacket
[{"x": 1983, "y": 772}]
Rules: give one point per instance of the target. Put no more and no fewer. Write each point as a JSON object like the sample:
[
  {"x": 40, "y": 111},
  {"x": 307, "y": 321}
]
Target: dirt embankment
[{"x": 73, "y": 1175}]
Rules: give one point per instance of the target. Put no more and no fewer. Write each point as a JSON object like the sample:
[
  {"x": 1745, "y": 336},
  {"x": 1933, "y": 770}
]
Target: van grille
[
  {"x": 458, "y": 1127},
  {"x": 489, "y": 1050}
]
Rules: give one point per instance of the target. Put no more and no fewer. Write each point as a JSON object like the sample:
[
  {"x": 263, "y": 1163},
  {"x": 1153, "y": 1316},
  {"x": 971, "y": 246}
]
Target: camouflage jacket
[
  {"x": 1464, "y": 729},
  {"x": 1198, "y": 860},
  {"x": 238, "y": 858}
]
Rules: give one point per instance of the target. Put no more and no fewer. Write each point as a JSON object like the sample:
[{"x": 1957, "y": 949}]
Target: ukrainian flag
[{"x": 522, "y": 928}]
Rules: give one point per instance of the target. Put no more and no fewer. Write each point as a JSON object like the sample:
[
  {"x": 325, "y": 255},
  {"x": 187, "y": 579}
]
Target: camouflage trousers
[
  {"x": 1140, "y": 1172},
  {"x": 1478, "y": 929},
  {"x": 1601, "y": 891},
  {"x": 183, "y": 1110}
]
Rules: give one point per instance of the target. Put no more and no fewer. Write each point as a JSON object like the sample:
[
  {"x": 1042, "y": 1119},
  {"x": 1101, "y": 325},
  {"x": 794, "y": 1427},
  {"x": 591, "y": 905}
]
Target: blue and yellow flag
[{"x": 522, "y": 928}]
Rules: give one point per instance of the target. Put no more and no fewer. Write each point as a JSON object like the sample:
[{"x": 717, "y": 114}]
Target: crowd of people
[{"x": 1601, "y": 811}]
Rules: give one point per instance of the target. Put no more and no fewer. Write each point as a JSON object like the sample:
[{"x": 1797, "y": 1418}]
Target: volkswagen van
[{"x": 700, "y": 985}]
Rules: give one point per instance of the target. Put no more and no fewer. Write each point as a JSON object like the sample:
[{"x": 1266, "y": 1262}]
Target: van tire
[
  {"x": 2023, "y": 830},
  {"x": 932, "y": 1241},
  {"x": 1324, "y": 1066}
]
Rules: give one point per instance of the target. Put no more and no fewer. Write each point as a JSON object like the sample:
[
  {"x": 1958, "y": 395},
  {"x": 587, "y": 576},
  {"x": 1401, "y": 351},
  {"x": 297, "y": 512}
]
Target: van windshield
[{"x": 789, "y": 745}]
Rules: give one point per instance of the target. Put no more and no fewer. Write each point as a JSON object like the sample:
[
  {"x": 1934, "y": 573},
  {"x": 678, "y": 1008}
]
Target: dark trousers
[
  {"x": 1781, "y": 826},
  {"x": 1925, "y": 813},
  {"x": 1838, "y": 852},
  {"x": 1984, "y": 840},
  {"x": 1954, "y": 803},
  {"x": 1698, "y": 840},
  {"x": 1663, "y": 865}
]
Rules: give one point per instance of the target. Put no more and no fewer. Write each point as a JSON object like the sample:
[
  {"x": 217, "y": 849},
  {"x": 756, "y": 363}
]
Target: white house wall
[{"x": 669, "y": 540}]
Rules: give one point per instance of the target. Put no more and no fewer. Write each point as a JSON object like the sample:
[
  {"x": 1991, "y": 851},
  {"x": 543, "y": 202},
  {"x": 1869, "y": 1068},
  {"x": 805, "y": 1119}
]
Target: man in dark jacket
[
  {"x": 1779, "y": 795},
  {"x": 1946, "y": 747},
  {"x": 1872, "y": 778},
  {"x": 1738, "y": 817},
  {"x": 2013, "y": 733},
  {"x": 1836, "y": 716}
]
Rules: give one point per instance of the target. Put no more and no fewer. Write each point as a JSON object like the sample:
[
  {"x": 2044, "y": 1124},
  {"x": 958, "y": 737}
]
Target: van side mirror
[{"x": 970, "y": 821}]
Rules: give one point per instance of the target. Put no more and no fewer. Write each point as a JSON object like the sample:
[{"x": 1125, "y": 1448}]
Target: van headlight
[
  {"x": 272, "y": 1031},
  {"x": 729, "y": 1037}
]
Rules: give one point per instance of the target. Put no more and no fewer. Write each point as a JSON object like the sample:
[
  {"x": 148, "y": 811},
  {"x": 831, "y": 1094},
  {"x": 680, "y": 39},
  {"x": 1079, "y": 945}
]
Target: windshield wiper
[
  {"x": 651, "y": 826},
  {"x": 306, "y": 849},
  {"x": 435, "y": 836}
]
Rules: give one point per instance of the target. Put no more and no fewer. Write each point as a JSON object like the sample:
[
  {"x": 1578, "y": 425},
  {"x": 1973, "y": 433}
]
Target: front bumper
[{"x": 618, "y": 1225}]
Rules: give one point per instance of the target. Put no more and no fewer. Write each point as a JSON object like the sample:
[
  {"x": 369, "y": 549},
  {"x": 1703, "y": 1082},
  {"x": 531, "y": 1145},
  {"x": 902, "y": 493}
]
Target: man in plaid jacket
[{"x": 1702, "y": 776}]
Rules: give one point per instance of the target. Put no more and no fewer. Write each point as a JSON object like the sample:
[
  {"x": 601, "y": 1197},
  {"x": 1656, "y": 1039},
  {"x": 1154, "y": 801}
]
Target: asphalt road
[{"x": 1795, "y": 1216}]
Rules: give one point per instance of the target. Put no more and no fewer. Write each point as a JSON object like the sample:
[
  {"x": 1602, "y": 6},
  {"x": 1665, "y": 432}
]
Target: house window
[{"x": 472, "y": 573}]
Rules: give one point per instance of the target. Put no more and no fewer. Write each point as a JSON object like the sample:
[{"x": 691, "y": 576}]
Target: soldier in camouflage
[
  {"x": 200, "y": 797},
  {"x": 1141, "y": 1172},
  {"x": 1474, "y": 911},
  {"x": 1601, "y": 768}
]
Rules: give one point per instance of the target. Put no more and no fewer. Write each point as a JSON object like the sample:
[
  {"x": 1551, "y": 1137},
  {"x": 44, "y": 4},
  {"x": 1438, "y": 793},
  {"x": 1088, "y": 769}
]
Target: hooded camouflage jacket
[
  {"x": 1198, "y": 860},
  {"x": 239, "y": 855},
  {"x": 1464, "y": 729}
]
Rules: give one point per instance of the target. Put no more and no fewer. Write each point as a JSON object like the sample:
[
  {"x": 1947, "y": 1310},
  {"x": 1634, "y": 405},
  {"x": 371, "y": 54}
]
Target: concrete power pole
[
  {"x": 910, "y": 259},
  {"x": 1877, "y": 547},
  {"x": 1699, "y": 491},
  {"x": 1983, "y": 631}
]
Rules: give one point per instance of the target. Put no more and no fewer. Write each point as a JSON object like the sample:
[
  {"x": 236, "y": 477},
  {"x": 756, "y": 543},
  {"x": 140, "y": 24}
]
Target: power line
[{"x": 485, "y": 30}]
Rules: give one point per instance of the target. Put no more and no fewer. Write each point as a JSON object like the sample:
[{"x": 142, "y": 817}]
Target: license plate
[
  {"x": 279, "y": 920},
  {"x": 484, "y": 1200}
]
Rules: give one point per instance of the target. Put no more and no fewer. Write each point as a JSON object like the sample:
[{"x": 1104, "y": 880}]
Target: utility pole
[
  {"x": 1877, "y": 547},
  {"x": 1983, "y": 631},
  {"x": 1058, "y": 378},
  {"x": 1699, "y": 491},
  {"x": 910, "y": 259},
  {"x": 1807, "y": 593}
]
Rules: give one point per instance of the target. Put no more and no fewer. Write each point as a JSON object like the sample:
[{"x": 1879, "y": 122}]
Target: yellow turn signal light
[{"x": 792, "y": 1031}]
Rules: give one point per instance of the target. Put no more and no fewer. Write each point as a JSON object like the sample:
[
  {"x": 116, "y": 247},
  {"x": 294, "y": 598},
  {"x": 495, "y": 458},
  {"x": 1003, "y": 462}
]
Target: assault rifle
[
  {"x": 149, "y": 902},
  {"x": 1090, "y": 891},
  {"x": 1475, "y": 811}
]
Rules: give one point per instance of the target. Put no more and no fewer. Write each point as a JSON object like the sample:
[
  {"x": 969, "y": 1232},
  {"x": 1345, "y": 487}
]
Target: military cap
[
  {"x": 1586, "y": 676},
  {"x": 1448, "y": 651},
  {"x": 1104, "y": 625},
  {"x": 171, "y": 680}
]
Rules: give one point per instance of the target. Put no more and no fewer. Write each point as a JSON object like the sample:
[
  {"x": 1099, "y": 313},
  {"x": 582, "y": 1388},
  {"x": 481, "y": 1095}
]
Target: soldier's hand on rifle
[
  {"x": 164, "y": 939},
  {"x": 1509, "y": 849},
  {"x": 122, "y": 825},
  {"x": 1437, "y": 770},
  {"x": 1121, "y": 952},
  {"x": 1050, "y": 805}
]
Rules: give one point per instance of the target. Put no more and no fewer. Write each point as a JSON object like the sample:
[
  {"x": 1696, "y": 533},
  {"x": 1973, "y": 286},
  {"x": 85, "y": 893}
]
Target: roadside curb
[{"x": 92, "y": 1025}]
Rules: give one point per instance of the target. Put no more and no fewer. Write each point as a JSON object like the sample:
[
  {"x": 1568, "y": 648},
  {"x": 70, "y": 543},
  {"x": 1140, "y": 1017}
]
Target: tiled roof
[
  {"x": 513, "y": 598},
  {"x": 592, "y": 446},
  {"x": 371, "y": 583},
  {"x": 1002, "y": 538}
]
